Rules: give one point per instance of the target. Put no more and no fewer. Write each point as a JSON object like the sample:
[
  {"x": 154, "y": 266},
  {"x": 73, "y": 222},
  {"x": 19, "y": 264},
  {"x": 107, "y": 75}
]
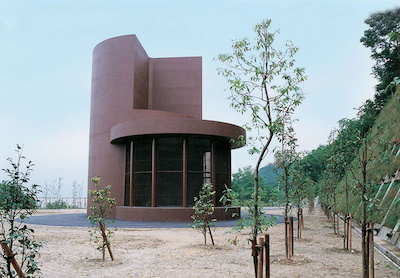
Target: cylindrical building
[{"x": 147, "y": 136}]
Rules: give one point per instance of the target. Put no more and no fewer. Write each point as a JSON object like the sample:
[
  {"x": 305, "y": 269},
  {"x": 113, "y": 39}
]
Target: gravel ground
[{"x": 181, "y": 253}]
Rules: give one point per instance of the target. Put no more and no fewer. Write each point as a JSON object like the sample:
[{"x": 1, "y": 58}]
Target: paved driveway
[{"x": 80, "y": 220}]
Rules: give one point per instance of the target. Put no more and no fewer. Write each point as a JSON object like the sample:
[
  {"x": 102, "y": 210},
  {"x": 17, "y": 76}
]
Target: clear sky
[{"x": 46, "y": 55}]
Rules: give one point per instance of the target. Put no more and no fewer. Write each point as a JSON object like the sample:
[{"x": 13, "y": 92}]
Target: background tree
[
  {"x": 55, "y": 189},
  {"x": 314, "y": 162},
  {"x": 367, "y": 157},
  {"x": 385, "y": 47},
  {"x": 17, "y": 200},
  {"x": 102, "y": 205},
  {"x": 203, "y": 209},
  {"x": 76, "y": 195},
  {"x": 302, "y": 187},
  {"x": 243, "y": 187},
  {"x": 284, "y": 159},
  {"x": 261, "y": 80}
]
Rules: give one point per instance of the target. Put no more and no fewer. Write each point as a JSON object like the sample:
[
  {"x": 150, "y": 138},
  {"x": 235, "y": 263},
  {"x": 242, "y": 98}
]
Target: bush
[
  {"x": 102, "y": 206},
  {"x": 203, "y": 209},
  {"x": 59, "y": 204},
  {"x": 17, "y": 240}
]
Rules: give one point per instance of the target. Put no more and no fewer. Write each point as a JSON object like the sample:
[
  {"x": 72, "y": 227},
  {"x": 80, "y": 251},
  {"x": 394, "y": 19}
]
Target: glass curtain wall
[{"x": 204, "y": 160}]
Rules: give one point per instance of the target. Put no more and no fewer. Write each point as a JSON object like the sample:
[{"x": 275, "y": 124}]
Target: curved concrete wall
[{"x": 112, "y": 102}]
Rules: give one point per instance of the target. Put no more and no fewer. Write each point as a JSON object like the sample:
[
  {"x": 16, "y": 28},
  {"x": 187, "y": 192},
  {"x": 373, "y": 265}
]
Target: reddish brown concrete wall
[
  {"x": 140, "y": 77},
  {"x": 111, "y": 103},
  {"x": 174, "y": 126},
  {"x": 177, "y": 85}
]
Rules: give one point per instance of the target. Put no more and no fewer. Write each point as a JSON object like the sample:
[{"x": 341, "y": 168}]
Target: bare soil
[{"x": 181, "y": 253}]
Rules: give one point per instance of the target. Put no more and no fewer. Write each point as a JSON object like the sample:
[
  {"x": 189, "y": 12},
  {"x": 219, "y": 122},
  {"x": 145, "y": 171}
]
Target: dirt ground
[{"x": 181, "y": 253}]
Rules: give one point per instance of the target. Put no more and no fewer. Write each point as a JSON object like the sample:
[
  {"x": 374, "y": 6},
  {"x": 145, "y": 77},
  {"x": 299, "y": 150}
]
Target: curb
[{"x": 388, "y": 250}]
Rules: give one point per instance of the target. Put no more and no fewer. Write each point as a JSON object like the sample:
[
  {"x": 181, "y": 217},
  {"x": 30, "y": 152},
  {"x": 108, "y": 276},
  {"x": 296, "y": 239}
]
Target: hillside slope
[{"x": 383, "y": 174}]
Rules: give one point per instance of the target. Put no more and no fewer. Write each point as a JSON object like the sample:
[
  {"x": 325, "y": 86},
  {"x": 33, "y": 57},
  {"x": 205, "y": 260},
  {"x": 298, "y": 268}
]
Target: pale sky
[{"x": 46, "y": 56}]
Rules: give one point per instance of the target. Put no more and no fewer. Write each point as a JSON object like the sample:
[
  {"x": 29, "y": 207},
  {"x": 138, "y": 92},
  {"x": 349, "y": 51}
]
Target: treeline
[{"x": 361, "y": 152}]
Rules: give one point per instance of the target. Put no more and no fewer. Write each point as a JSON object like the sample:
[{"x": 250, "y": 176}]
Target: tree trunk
[
  {"x": 364, "y": 213},
  {"x": 287, "y": 236}
]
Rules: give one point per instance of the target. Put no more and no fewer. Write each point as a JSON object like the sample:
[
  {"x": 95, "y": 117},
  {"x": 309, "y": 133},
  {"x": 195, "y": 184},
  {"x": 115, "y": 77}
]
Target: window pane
[
  {"x": 142, "y": 155},
  {"x": 222, "y": 156},
  {"x": 222, "y": 180},
  {"x": 195, "y": 182},
  {"x": 169, "y": 189},
  {"x": 127, "y": 195},
  {"x": 143, "y": 189},
  {"x": 169, "y": 154},
  {"x": 197, "y": 149},
  {"x": 142, "y": 172}
]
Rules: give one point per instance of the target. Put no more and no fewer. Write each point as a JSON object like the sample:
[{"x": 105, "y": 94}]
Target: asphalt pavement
[{"x": 80, "y": 220}]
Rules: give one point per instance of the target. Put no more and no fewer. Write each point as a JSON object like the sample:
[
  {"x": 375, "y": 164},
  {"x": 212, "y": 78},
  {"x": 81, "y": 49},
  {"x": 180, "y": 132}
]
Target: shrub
[
  {"x": 103, "y": 203},
  {"x": 17, "y": 240},
  {"x": 59, "y": 204},
  {"x": 203, "y": 209}
]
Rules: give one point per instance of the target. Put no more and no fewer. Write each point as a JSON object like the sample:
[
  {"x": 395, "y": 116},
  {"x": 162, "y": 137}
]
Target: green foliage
[
  {"x": 103, "y": 203},
  {"x": 254, "y": 219},
  {"x": 302, "y": 188},
  {"x": 18, "y": 200},
  {"x": 262, "y": 80},
  {"x": 284, "y": 159},
  {"x": 269, "y": 173},
  {"x": 314, "y": 163},
  {"x": 59, "y": 204},
  {"x": 243, "y": 186},
  {"x": 386, "y": 143},
  {"x": 203, "y": 210},
  {"x": 383, "y": 40},
  {"x": 393, "y": 215},
  {"x": 259, "y": 219},
  {"x": 342, "y": 154}
]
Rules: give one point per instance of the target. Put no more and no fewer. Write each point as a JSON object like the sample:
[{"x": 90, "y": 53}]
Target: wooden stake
[
  {"x": 302, "y": 218},
  {"x": 371, "y": 250},
  {"x": 10, "y": 256},
  {"x": 334, "y": 222},
  {"x": 105, "y": 239},
  {"x": 346, "y": 232},
  {"x": 287, "y": 237},
  {"x": 289, "y": 231},
  {"x": 291, "y": 245},
  {"x": 254, "y": 255},
  {"x": 267, "y": 256},
  {"x": 299, "y": 220},
  {"x": 350, "y": 231},
  {"x": 212, "y": 239},
  {"x": 337, "y": 223},
  {"x": 260, "y": 258}
]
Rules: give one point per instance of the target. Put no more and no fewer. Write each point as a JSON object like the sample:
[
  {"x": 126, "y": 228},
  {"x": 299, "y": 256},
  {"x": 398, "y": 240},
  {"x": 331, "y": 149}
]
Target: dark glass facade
[{"x": 169, "y": 171}]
